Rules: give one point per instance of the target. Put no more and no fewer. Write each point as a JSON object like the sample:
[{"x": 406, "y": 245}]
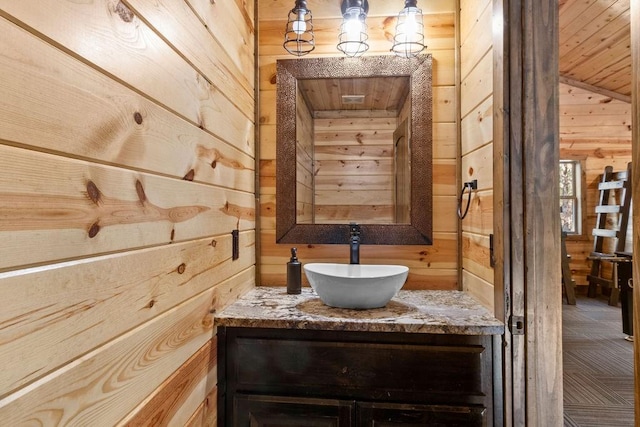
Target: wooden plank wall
[
  {"x": 402, "y": 169},
  {"x": 476, "y": 109},
  {"x": 304, "y": 161},
  {"x": 596, "y": 130},
  {"x": 126, "y": 160},
  {"x": 431, "y": 267},
  {"x": 354, "y": 176}
]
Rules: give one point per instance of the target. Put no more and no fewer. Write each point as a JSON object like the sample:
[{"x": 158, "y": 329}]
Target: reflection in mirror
[
  {"x": 352, "y": 152},
  {"x": 354, "y": 145}
]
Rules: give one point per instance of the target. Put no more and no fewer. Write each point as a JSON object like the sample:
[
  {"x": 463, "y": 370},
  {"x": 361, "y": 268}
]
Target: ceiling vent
[{"x": 353, "y": 99}]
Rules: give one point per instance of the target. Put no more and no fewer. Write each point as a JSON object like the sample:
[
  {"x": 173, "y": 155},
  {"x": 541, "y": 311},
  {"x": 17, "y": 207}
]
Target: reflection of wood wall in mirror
[
  {"x": 402, "y": 155},
  {"x": 402, "y": 173},
  {"x": 304, "y": 161},
  {"x": 354, "y": 174}
]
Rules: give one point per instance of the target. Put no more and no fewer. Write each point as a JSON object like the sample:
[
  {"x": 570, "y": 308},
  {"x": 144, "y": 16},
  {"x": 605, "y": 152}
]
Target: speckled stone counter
[{"x": 429, "y": 312}]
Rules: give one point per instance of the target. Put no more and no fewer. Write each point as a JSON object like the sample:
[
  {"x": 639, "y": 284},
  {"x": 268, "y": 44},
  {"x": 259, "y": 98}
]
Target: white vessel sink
[{"x": 356, "y": 285}]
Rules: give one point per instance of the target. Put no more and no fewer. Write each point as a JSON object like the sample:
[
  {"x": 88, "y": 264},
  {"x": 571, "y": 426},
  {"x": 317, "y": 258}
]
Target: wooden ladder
[{"x": 611, "y": 223}]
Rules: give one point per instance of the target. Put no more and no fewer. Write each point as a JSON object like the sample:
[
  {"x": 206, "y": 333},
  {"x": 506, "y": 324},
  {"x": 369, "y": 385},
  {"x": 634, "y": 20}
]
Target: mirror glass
[
  {"x": 354, "y": 145},
  {"x": 352, "y": 160}
]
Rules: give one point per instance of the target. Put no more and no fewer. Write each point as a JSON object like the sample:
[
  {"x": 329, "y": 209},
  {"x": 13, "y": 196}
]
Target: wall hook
[{"x": 471, "y": 185}]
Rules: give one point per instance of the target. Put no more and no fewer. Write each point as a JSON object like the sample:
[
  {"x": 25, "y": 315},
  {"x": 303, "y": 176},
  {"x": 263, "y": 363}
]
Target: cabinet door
[
  {"x": 372, "y": 414},
  {"x": 275, "y": 411}
]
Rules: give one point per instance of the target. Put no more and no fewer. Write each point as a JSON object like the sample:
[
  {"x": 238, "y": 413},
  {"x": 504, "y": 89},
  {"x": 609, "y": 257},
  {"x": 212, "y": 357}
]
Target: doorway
[{"x": 595, "y": 116}]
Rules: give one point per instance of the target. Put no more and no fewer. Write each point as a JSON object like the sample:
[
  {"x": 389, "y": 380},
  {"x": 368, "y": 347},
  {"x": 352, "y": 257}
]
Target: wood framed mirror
[{"x": 290, "y": 74}]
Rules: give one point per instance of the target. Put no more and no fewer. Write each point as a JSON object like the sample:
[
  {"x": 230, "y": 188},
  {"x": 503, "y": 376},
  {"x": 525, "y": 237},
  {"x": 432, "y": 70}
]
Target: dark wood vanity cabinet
[
  {"x": 259, "y": 410},
  {"x": 283, "y": 377}
]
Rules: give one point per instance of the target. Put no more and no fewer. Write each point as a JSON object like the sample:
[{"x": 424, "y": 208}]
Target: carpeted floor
[{"x": 598, "y": 365}]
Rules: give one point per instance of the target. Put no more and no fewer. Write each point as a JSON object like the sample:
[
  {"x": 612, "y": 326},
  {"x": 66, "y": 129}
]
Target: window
[{"x": 571, "y": 197}]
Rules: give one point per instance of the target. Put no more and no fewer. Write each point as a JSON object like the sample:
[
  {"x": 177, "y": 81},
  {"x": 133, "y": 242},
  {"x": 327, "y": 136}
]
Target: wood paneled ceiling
[
  {"x": 595, "y": 44},
  {"x": 375, "y": 93}
]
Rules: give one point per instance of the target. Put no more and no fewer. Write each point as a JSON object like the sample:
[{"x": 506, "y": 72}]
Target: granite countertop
[{"x": 429, "y": 312}]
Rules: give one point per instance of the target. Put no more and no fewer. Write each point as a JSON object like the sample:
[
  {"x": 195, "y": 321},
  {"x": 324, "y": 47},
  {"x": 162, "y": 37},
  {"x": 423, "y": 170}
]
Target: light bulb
[
  {"x": 299, "y": 26},
  {"x": 353, "y": 28},
  {"x": 410, "y": 24}
]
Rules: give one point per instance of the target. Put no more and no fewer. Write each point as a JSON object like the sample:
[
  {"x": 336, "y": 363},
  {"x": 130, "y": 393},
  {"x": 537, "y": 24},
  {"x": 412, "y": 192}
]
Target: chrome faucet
[{"x": 354, "y": 243}]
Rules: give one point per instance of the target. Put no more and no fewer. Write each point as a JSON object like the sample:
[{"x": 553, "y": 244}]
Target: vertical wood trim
[
  {"x": 500, "y": 162},
  {"x": 516, "y": 208},
  {"x": 545, "y": 392},
  {"x": 541, "y": 220},
  {"x": 458, "y": 83},
  {"x": 257, "y": 131},
  {"x": 534, "y": 232},
  {"x": 635, "y": 142},
  {"x": 501, "y": 206}
]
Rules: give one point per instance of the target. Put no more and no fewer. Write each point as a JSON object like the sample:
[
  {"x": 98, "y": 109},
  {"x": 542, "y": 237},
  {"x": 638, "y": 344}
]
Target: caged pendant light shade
[
  {"x": 299, "y": 39},
  {"x": 352, "y": 40},
  {"x": 409, "y": 38}
]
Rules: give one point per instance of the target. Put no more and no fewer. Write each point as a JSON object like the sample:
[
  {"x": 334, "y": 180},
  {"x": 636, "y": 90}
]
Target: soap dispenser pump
[{"x": 294, "y": 273}]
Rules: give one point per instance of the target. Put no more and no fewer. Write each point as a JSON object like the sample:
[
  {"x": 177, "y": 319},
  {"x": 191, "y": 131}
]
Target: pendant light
[
  {"x": 352, "y": 40},
  {"x": 409, "y": 39},
  {"x": 298, "y": 38}
]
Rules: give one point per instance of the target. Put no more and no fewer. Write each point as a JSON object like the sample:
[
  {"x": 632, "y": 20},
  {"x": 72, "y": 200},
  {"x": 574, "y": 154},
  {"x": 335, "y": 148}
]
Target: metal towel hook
[{"x": 471, "y": 185}]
